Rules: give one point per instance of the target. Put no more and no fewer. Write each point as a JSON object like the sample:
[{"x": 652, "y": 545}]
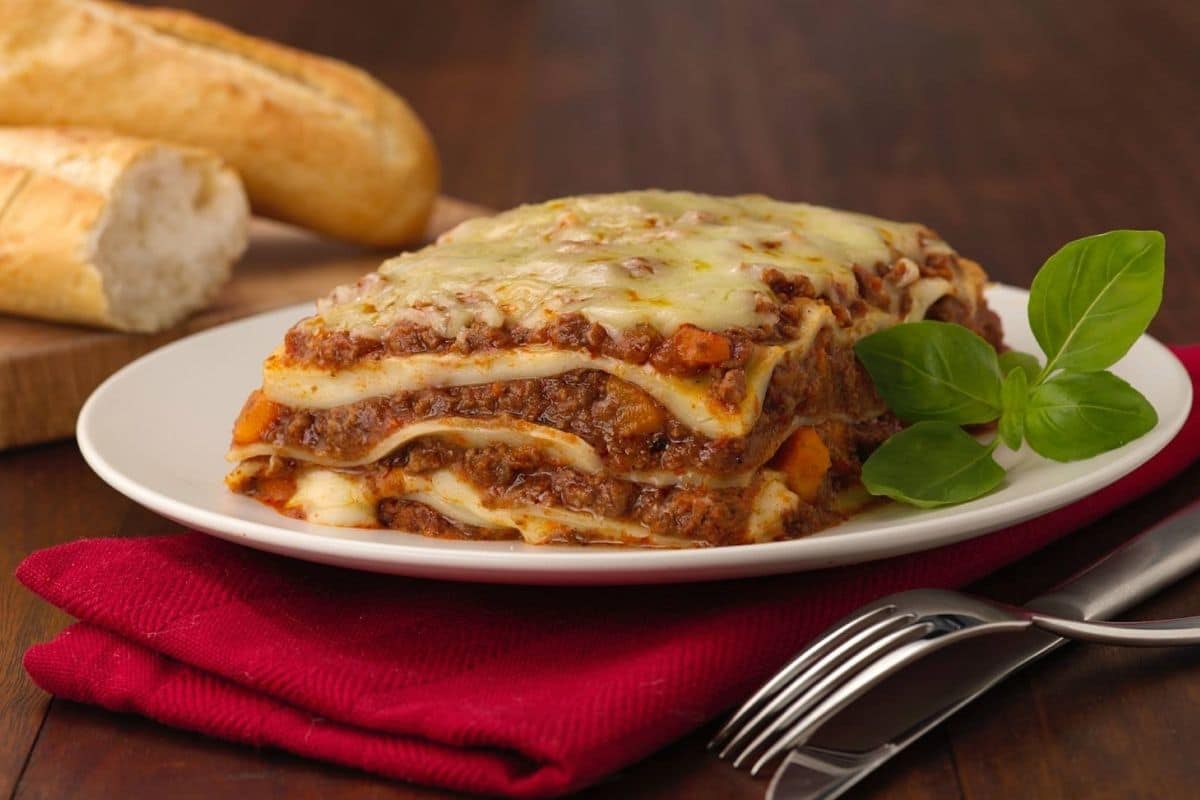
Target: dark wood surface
[{"x": 1010, "y": 127}]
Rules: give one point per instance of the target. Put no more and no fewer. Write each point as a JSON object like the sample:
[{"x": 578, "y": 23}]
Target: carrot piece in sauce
[
  {"x": 700, "y": 348},
  {"x": 256, "y": 416},
  {"x": 804, "y": 460}
]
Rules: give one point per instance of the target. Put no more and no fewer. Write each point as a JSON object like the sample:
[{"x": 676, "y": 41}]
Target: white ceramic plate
[{"x": 157, "y": 432}]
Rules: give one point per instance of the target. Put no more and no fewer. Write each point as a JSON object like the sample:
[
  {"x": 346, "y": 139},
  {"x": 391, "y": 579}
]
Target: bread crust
[
  {"x": 57, "y": 190},
  {"x": 317, "y": 142},
  {"x": 43, "y": 224}
]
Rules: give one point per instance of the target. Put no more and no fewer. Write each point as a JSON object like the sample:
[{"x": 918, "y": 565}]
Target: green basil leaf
[
  {"x": 1014, "y": 393},
  {"x": 1011, "y": 359},
  {"x": 931, "y": 464},
  {"x": 933, "y": 371},
  {"x": 1078, "y": 415},
  {"x": 1093, "y": 298}
]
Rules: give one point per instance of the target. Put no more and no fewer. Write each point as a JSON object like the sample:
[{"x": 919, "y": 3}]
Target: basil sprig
[
  {"x": 1087, "y": 306},
  {"x": 963, "y": 468}
]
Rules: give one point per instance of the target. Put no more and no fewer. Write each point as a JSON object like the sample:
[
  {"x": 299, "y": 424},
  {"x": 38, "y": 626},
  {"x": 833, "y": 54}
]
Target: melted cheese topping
[{"x": 652, "y": 257}]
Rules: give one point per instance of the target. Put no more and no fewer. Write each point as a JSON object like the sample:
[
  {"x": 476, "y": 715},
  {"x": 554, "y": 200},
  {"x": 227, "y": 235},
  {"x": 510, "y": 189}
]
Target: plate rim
[{"x": 517, "y": 562}]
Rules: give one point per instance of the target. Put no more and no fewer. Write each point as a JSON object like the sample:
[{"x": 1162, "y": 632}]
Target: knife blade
[{"x": 903, "y": 708}]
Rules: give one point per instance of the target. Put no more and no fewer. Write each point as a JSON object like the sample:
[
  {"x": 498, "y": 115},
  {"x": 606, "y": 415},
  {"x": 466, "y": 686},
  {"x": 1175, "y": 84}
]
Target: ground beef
[
  {"x": 713, "y": 516},
  {"x": 731, "y": 388},
  {"x": 980, "y": 319},
  {"x": 408, "y": 515},
  {"x": 871, "y": 287},
  {"x": 568, "y": 488}
]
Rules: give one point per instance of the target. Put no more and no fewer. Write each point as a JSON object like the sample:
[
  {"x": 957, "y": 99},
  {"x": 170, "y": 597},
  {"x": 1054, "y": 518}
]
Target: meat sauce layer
[{"x": 629, "y": 430}]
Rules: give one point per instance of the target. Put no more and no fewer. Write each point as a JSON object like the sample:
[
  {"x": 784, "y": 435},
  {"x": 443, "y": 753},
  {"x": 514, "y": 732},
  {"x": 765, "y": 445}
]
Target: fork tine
[
  {"x": 815, "y": 650},
  {"x": 815, "y": 669},
  {"x": 844, "y": 695},
  {"x": 835, "y": 678}
]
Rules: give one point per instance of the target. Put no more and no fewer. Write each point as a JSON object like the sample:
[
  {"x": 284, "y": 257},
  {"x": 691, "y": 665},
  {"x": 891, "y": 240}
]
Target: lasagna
[{"x": 650, "y": 368}]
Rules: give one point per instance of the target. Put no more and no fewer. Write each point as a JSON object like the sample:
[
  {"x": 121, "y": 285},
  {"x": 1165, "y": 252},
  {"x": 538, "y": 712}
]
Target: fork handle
[
  {"x": 1155, "y": 633},
  {"x": 1152, "y": 561}
]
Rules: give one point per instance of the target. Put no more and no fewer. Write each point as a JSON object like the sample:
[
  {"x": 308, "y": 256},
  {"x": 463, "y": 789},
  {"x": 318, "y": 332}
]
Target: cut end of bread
[{"x": 169, "y": 238}]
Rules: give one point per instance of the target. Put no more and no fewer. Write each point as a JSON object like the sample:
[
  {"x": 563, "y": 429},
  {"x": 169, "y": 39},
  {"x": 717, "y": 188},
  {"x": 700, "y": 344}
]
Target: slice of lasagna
[{"x": 648, "y": 368}]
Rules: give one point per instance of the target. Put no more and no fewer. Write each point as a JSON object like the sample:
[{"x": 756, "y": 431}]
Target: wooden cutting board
[{"x": 48, "y": 370}]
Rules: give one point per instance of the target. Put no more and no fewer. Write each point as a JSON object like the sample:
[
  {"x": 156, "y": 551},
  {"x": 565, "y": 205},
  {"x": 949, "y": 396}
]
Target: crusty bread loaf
[
  {"x": 105, "y": 230},
  {"x": 317, "y": 142}
]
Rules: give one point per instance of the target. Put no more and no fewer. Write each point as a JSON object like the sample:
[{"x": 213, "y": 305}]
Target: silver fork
[{"x": 882, "y": 638}]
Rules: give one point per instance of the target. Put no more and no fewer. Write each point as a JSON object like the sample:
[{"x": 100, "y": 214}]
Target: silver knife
[{"x": 901, "y": 709}]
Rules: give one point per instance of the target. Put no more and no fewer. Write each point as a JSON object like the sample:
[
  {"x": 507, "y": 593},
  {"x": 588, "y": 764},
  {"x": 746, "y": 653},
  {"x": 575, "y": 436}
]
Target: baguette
[
  {"x": 317, "y": 142},
  {"x": 105, "y": 230}
]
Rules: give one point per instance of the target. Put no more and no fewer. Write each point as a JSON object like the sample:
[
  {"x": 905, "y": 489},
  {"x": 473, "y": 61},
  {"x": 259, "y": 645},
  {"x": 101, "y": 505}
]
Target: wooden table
[{"x": 1010, "y": 127}]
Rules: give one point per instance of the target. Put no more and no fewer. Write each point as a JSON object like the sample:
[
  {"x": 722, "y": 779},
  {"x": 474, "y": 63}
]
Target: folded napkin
[{"x": 521, "y": 691}]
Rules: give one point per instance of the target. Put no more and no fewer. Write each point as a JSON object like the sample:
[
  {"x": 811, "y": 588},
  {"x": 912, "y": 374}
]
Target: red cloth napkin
[{"x": 522, "y": 691}]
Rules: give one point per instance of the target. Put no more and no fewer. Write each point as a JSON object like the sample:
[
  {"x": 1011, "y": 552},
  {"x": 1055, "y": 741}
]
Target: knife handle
[{"x": 1146, "y": 564}]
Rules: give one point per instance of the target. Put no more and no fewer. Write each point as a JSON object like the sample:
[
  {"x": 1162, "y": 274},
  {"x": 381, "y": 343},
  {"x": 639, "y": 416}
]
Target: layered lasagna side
[{"x": 648, "y": 368}]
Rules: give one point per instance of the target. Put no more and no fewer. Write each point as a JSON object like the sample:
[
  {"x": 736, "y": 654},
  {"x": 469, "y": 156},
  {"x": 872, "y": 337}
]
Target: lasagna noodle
[{"x": 782, "y": 274}]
